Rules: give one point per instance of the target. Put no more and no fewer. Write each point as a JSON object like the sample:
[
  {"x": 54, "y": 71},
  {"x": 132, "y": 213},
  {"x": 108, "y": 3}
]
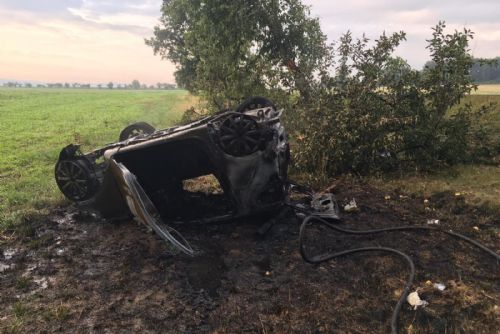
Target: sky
[{"x": 97, "y": 41}]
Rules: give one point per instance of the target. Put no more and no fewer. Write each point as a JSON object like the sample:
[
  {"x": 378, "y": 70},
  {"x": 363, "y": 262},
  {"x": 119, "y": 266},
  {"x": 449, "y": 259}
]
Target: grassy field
[{"x": 36, "y": 123}]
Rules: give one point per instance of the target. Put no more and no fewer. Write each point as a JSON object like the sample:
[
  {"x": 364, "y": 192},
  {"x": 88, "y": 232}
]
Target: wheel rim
[
  {"x": 240, "y": 135},
  {"x": 135, "y": 133},
  {"x": 136, "y": 129},
  {"x": 73, "y": 180}
]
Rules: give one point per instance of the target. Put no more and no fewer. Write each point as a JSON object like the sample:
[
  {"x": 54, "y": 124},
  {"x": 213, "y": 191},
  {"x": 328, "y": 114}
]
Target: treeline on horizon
[
  {"x": 135, "y": 84},
  {"x": 482, "y": 71},
  {"x": 486, "y": 70}
]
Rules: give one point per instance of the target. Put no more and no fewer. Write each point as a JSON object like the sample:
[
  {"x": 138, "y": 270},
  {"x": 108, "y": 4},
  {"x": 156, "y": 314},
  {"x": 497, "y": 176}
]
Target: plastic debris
[
  {"x": 387, "y": 197},
  {"x": 426, "y": 201},
  {"x": 476, "y": 228},
  {"x": 439, "y": 286},
  {"x": 4, "y": 267},
  {"x": 351, "y": 207},
  {"x": 9, "y": 253},
  {"x": 414, "y": 300},
  {"x": 432, "y": 221}
]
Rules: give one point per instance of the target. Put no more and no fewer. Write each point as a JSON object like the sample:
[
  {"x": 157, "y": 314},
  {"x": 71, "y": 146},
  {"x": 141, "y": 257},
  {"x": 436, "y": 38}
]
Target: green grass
[
  {"x": 35, "y": 124},
  {"x": 491, "y": 119}
]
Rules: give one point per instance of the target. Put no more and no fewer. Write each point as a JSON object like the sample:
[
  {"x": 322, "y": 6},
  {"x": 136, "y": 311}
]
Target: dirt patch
[{"x": 75, "y": 273}]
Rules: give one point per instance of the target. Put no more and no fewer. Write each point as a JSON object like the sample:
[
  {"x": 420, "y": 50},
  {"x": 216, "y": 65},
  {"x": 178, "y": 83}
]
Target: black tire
[
  {"x": 255, "y": 102},
  {"x": 136, "y": 129},
  {"x": 76, "y": 179}
]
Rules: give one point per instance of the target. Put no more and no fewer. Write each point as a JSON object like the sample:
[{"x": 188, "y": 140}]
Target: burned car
[{"x": 145, "y": 172}]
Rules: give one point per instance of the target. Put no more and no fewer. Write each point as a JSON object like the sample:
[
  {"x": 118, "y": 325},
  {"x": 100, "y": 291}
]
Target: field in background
[
  {"x": 493, "y": 89},
  {"x": 35, "y": 124}
]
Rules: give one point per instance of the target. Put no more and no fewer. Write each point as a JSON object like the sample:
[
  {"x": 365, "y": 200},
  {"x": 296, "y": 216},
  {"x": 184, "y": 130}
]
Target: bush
[
  {"x": 378, "y": 114},
  {"x": 353, "y": 108}
]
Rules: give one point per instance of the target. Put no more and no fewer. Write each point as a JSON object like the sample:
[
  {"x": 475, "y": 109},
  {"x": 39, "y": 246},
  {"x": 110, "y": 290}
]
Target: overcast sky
[{"x": 97, "y": 41}]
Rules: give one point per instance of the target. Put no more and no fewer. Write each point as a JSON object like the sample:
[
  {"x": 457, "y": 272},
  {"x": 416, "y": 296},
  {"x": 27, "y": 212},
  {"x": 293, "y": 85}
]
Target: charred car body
[{"x": 143, "y": 174}]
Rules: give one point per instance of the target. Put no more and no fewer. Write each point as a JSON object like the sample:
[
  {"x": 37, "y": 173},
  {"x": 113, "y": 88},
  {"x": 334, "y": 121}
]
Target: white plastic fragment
[
  {"x": 439, "y": 286},
  {"x": 4, "y": 267},
  {"x": 9, "y": 253},
  {"x": 414, "y": 300},
  {"x": 432, "y": 221},
  {"x": 351, "y": 207}
]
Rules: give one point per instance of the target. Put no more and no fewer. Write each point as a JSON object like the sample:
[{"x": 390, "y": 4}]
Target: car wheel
[
  {"x": 75, "y": 178},
  {"x": 136, "y": 129},
  {"x": 255, "y": 102}
]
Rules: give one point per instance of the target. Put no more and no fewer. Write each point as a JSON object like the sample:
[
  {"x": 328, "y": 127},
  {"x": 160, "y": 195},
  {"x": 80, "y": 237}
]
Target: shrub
[{"x": 376, "y": 113}]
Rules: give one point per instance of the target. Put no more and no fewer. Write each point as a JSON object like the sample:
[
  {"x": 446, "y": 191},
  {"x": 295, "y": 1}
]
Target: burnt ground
[{"x": 70, "y": 272}]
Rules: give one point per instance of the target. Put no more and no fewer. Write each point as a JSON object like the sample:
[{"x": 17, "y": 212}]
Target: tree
[
  {"x": 135, "y": 84},
  {"x": 110, "y": 85},
  {"x": 227, "y": 50},
  {"x": 355, "y": 107},
  {"x": 28, "y": 85}
]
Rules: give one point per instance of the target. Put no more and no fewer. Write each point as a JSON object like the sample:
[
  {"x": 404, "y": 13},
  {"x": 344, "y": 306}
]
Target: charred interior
[{"x": 162, "y": 170}]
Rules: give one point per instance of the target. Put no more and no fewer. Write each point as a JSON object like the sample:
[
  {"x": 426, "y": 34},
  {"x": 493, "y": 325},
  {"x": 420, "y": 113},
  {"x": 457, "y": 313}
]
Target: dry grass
[
  {"x": 488, "y": 90},
  {"x": 479, "y": 185}
]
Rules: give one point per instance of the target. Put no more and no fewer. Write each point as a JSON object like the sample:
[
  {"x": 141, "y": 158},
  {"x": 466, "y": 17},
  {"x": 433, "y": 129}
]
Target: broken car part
[{"x": 145, "y": 173}]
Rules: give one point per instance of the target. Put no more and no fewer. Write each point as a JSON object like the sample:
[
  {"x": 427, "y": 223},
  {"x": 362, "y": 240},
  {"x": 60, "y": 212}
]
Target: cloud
[
  {"x": 415, "y": 18},
  {"x": 104, "y": 38},
  {"x": 67, "y": 48},
  {"x": 40, "y": 6},
  {"x": 123, "y": 13}
]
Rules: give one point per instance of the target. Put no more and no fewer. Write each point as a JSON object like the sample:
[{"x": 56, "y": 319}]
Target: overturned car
[{"x": 146, "y": 173}]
